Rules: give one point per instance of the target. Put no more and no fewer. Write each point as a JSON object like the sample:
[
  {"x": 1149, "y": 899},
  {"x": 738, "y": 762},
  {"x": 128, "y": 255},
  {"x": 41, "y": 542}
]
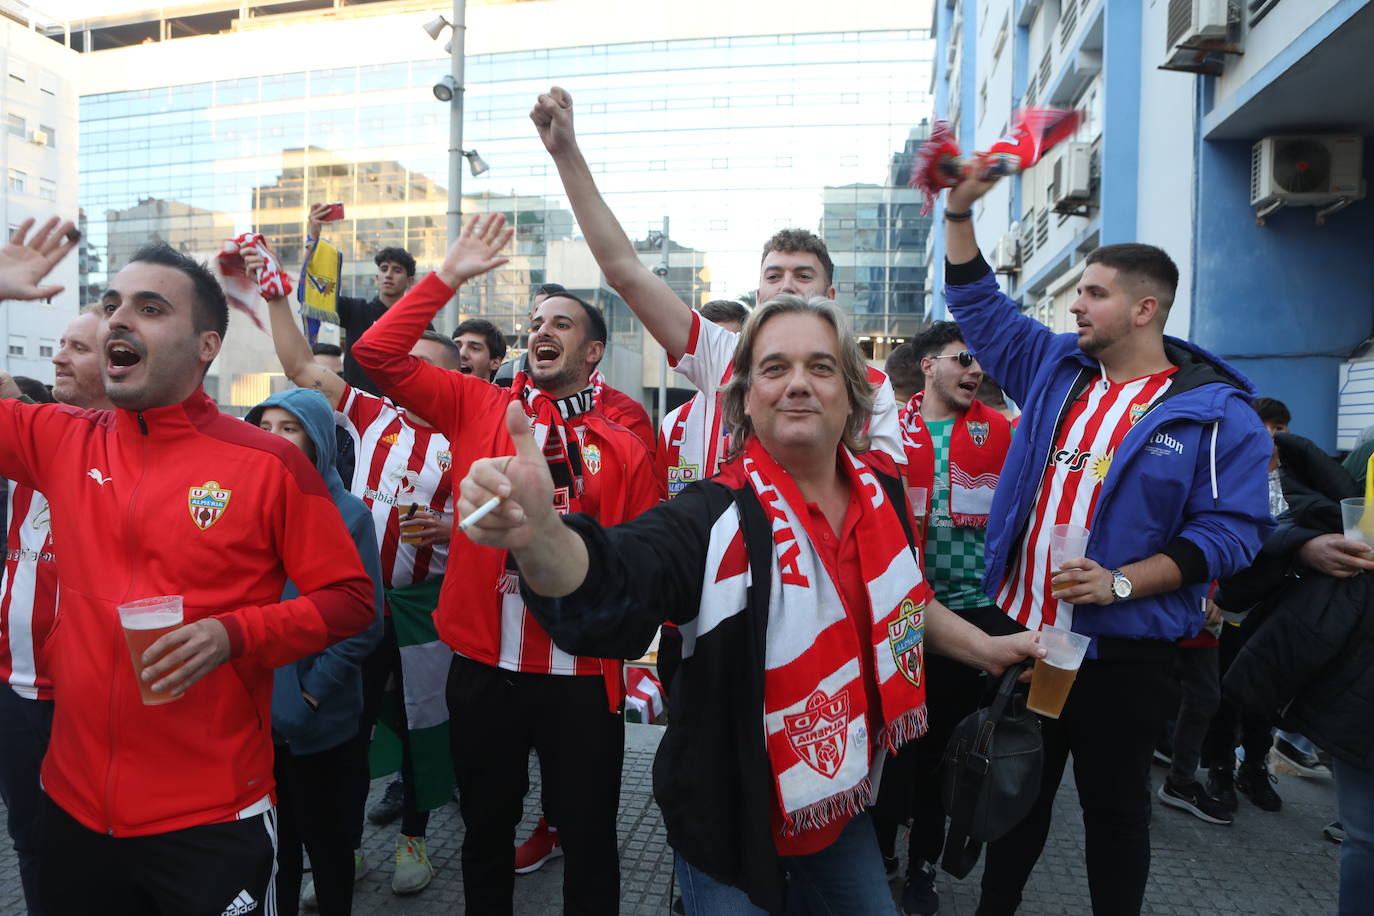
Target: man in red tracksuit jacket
[
  {"x": 169, "y": 808},
  {"x": 510, "y": 688}
]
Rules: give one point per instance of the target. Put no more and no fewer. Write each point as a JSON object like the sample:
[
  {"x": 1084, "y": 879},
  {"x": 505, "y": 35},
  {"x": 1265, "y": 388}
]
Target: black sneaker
[
  {"x": 1191, "y": 797},
  {"x": 918, "y": 895},
  {"x": 1221, "y": 785},
  {"x": 1335, "y": 832},
  {"x": 1306, "y": 764},
  {"x": 388, "y": 807},
  {"x": 1255, "y": 782}
]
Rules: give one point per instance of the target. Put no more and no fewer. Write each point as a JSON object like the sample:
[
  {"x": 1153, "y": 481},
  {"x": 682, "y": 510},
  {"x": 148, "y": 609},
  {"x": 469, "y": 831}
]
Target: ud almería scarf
[
  {"x": 978, "y": 445},
  {"x": 816, "y": 707}
]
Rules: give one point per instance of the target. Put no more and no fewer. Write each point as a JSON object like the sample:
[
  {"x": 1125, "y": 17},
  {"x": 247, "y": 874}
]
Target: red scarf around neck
[
  {"x": 978, "y": 446},
  {"x": 816, "y": 714}
]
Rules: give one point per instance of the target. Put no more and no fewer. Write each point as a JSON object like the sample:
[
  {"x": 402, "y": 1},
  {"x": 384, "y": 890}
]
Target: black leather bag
[{"x": 991, "y": 773}]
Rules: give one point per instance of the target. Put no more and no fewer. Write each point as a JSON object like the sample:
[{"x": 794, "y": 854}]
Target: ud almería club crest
[
  {"x": 818, "y": 734},
  {"x": 207, "y": 503},
  {"x": 905, "y": 636},
  {"x": 978, "y": 432}
]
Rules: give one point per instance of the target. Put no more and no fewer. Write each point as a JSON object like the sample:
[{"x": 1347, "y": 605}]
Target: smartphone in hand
[{"x": 331, "y": 213}]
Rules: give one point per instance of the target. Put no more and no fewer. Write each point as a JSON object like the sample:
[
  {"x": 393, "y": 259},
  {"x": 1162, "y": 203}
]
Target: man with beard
[
  {"x": 955, "y": 448},
  {"x": 1148, "y": 442},
  {"x": 510, "y": 687},
  {"x": 402, "y": 474},
  {"x": 169, "y": 808},
  {"x": 28, "y": 603}
]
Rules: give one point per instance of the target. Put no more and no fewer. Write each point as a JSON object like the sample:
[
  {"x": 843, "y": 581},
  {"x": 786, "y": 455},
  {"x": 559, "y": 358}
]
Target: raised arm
[
  {"x": 666, "y": 316},
  {"x": 384, "y": 350},
  {"x": 293, "y": 350}
]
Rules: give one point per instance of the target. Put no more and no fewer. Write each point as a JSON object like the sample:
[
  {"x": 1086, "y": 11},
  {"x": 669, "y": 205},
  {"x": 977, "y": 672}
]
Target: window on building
[
  {"x": 47, "y": 189},
  {"x": 51, "y": 132},
  {"x": 46, "y": 348},
  {"x": 16, "y": 124},
  {"x": 18, "y": 345},
  {"x": 18, "y": 180}
]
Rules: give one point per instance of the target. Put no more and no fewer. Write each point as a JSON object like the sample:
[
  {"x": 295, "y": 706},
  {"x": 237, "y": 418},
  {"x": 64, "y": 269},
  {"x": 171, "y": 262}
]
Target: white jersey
[{"x": 399, "y": 465}]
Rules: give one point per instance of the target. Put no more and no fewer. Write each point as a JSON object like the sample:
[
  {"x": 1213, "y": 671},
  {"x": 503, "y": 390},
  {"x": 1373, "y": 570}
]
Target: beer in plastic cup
[
  {"x": 1357, "y": 516},
  {"x": 1055, "y": 673},
  {"x": 1067, "y": 542},
  {"x": 145, "y": 622},
  {"x": 411, "y": 530},
  {"x": 918, "y": 497}
]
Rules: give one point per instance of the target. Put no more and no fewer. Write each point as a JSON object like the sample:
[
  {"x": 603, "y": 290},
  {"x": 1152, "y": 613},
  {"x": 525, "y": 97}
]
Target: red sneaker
[{"x": 542, "y": 846}]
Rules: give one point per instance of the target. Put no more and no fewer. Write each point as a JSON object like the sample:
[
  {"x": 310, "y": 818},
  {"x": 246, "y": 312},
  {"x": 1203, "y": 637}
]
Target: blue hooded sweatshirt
[
  {"x": 1190, "y": 480},
  {"x": 333, "y": 677}
]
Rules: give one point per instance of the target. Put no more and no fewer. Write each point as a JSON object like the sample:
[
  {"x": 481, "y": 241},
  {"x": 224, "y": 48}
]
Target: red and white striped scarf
[
  {"x": 978, "y": 447},
  {"x": 816, "y": 713}
]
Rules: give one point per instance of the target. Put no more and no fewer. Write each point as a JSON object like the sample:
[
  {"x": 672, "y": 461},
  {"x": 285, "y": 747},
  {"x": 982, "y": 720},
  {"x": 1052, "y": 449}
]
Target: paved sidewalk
[{"x": 1264, "y": 864}]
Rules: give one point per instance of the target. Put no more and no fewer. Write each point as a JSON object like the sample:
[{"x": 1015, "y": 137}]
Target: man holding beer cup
[
  {"x": 169, "y": 807},
  {"x": 1144, "y": 448}
]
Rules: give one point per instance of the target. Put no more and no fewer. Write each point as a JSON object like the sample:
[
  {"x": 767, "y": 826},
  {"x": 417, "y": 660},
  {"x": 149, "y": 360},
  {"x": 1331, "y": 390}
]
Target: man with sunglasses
[{"x": 955, "y": 446}]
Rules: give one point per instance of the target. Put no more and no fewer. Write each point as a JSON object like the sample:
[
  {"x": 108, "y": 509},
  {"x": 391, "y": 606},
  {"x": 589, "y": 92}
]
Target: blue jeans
[
  {"x": 1355, "y": 802},
  {"x": 844, "y": 879},
  {"x": 25, "y": 726}
]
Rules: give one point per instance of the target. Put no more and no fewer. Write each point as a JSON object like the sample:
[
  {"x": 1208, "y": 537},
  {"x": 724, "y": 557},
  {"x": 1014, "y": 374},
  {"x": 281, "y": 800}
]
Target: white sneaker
[
  {"x": 413, "y": 871},
  {"x": 360, "y": 870}
]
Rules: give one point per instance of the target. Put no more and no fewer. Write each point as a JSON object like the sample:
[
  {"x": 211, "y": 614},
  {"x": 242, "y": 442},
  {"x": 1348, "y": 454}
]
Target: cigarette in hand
[{"x": 479, "y": 513}]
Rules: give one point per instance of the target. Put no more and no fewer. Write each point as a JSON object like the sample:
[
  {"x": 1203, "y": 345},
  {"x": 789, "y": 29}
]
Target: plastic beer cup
[
  {"x": 1358, "y": 519},
  {"x": 1067, "y": 542},
  {"x": 918, "y": 497},
  {"x": 1055, "y": 673},
  {"x": 145, "y": 622}
]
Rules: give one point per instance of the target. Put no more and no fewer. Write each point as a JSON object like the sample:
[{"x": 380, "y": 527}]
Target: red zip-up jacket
[
  {"x": 472, "y": 414},
  {"x": 179, "y": 500}
]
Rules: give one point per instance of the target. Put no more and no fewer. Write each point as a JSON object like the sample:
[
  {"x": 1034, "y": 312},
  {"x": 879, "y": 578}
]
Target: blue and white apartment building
[{"x": 1235, "y": 134}]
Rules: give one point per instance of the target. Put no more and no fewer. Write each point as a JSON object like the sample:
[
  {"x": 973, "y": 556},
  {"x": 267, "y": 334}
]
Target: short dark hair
[
  {"x": 903, "y": 369},
  {"x": 802, "y": 240},
  {"x": 935, "y": 338},
  {"x": 496, "y": 341},
  {"x": 595, "y": 320},
  {"x": 719, "y": 310},
  {"x": 447, "y": 342},
  {"x": 1270, "y": 410},
  {"x": 211, "y": 308},
  {"x": 325, "y": 349},
  {"x": 36, "y": 390},
  {"x": 1144, "y": 261},
  {"x": 550, "y": 289},
  {"x": 396, "y": 256}
]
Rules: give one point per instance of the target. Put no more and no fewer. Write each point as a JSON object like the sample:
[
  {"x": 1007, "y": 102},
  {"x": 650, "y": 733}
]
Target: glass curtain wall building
[{"x": 731, "y": 138}]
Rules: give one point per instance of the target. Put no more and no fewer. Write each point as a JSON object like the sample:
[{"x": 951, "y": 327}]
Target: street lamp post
[{"x": 455, "y": 138}]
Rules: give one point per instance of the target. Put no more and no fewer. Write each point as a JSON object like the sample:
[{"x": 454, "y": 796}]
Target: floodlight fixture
[
  {"x": 446, "y": 88},
  {"x": 435, "y": 27},
  {"x": 476, "y": 163}
]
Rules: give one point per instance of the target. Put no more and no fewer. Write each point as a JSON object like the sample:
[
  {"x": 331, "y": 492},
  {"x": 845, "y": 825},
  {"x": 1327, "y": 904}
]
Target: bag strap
[{"x": 961, "y": 852}]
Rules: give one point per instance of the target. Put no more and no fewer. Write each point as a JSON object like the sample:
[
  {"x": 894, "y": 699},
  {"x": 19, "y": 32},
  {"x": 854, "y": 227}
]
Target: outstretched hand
[
  {"x": 521, "y": 480},
  {"x": 552, "y": 115},
  {"x": 23, "y": 266},
  {"x": 477, "y": 250}
]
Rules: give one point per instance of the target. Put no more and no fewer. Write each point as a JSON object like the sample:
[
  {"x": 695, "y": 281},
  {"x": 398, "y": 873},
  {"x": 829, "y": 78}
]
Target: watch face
[{"x": 1122, "y": 587}]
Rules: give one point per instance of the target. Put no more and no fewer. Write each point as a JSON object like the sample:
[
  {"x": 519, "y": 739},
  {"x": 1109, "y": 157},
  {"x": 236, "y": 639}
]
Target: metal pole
[
  {"x": 663, "y": 368},
  {"x": 455, "y": 141}
]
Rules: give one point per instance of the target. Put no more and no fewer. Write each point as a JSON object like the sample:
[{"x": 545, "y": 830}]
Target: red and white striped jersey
[
  {"x": 28, "y": 597},
  {"x": 399, "y": 464},
  {"x": 1079, "y": 463},
  {"x": 707, "y": 363}
]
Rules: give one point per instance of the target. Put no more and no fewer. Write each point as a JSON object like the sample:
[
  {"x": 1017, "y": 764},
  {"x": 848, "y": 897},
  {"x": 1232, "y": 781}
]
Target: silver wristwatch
[{"x": 1121, "y": 586}]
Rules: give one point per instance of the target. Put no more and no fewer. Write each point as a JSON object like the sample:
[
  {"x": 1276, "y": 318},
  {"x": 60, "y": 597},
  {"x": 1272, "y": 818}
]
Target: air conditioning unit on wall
[
  {"x": 1193, "y": 21},
  {"x": 1006, "y": 256},
  {"x": 1071, "y": 181},
  {"x": 39, "y": 137},
  {"x": 1306, "y": 170}
]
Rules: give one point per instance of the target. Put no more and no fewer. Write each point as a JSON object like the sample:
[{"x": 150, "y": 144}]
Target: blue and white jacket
[{"x": 1189, "y": 480}]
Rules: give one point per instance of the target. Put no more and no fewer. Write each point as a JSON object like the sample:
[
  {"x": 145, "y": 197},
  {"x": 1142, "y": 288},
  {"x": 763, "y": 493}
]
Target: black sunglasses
[{"x": 964, "y": 357}]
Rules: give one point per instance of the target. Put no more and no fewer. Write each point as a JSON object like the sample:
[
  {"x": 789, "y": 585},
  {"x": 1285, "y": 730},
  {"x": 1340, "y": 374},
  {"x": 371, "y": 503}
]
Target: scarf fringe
[
  {"x": 909, "y": 726},
  {"x": 849, "y": 803},
  {"x": 509, "y": 584},
  {"x": 969, "y": 521}
]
